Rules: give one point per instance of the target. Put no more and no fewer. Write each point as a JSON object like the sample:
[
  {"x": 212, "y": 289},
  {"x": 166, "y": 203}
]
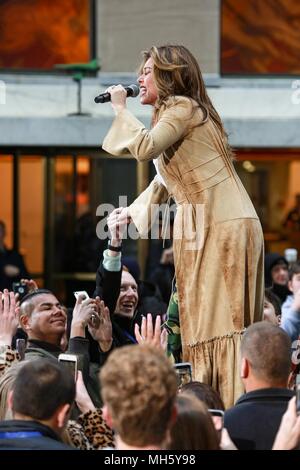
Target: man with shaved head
[{"x": 44, "y": 320}]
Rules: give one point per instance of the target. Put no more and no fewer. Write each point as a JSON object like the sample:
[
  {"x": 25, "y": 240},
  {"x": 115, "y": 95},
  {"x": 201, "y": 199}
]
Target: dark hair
[
  {"x": 193, "y": 428},
  {"x": 41, "y": 387},
  {"x": 205, "y": 393},
  {"x": 267, "y": 348},
  {"x": 34, "y": 293},
  {"x": 2, "y": 224},
  {"x": 274, "y": 300},
  {"x": 271, "y": 260},
  {"x": 294, "y": 269}
]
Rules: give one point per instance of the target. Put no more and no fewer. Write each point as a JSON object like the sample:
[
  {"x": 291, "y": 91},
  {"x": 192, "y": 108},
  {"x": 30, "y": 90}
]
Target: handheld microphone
[{"x": 132, "y": 90}]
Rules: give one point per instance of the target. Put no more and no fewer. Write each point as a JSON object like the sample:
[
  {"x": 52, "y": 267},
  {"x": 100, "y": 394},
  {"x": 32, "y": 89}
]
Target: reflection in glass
[
  {"x": 260, "y": 37},
  {"x": 37, "y": 34},
  {"x": 6, "y": 196},
  {"x": 31, "y": 209}
]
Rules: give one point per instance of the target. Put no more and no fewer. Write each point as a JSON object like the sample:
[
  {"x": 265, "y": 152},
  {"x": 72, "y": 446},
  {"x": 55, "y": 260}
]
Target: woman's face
[
  {"x": 269, "y": 313},
  {"x": 148, "y": 91}
]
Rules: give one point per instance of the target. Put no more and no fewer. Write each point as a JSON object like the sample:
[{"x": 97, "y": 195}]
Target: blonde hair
[
  {"x": 139, "y": 385},
  {"x": 176, "y": 72}
]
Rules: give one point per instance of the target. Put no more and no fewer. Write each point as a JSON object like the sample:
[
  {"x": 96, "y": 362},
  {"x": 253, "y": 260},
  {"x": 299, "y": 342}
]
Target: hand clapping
[{"x": 8, "y": 317}]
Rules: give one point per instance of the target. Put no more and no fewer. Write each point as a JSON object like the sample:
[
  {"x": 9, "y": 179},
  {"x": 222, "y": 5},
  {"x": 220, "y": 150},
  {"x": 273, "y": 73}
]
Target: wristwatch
[{"x": 114, "y": 248}]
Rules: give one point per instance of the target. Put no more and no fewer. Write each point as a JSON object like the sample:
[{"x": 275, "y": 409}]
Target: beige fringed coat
[{"x": 220, "y": 282}]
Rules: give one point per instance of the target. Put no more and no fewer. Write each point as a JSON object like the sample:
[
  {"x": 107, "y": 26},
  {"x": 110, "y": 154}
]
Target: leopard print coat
[
  {"x": 90, "y": 432},
  {"x": 8, "y": 357}
]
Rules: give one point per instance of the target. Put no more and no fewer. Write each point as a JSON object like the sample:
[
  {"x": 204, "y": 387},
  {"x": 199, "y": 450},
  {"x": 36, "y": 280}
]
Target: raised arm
[
  {"x": 128, "y": 134},
  {"x": 144, "y": 209}
]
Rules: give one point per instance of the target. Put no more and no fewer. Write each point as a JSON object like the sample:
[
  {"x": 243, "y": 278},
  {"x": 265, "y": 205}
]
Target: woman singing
[{"x": 219, "y": 277}]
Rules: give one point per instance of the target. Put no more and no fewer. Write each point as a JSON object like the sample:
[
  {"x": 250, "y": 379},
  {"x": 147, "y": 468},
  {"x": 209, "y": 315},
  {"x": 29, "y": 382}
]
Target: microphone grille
[{"x": 135, "y": 90}]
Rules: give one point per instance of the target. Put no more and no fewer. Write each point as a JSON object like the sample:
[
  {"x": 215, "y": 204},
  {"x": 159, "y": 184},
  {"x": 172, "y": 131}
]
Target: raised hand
[
  {"x": 101, "y": 330},
  {"x": 31, "y": 284},
  {"x": 117, "y": 222},
  {"x": 83, "y": 400},
  {"x": 83, "y": 312},
  {"x": 118, "y": 98},
  {"x": 288, "y": 435},
  {"x": 8, "y": 317},
  {"x": 149, "y": 335}
]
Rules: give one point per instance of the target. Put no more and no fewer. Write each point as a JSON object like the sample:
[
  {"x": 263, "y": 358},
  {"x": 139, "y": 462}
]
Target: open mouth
[{"x": 128, "y": 305}]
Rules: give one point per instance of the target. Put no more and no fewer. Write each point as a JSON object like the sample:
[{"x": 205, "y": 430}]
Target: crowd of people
[
  {"x": 140, "y": 405},
  {"x": 127, "y": 394}
]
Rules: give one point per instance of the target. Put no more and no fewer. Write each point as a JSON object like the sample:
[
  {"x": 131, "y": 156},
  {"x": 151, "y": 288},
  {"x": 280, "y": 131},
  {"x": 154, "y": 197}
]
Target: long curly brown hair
[{"x": 176, "y": 72}]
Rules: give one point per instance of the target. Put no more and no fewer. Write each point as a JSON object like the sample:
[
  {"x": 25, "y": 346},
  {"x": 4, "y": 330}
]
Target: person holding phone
[
  {"x": 217, "y": 239},
  {"x": 44, "y": 320}
]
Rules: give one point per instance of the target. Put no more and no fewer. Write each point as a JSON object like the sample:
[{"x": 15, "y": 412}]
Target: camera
[
  {"x": 21, "y": 347},
  {"x": 184, "y": 373},
  {"x": 20, "y": 288}
]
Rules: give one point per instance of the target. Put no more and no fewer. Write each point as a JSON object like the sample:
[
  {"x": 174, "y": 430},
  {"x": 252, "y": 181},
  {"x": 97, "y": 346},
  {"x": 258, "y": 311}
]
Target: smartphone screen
[{"x": 184, "y": 373}]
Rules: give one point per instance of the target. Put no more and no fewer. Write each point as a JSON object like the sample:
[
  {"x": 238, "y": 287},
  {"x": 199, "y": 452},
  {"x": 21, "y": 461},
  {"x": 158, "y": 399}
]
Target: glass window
[
  {"x": 82, "y": 184},
  {"x": 6, "y": 196},
  {"x": 37, "y": 34},
  {"x": 31, "y": 207},
  {"x": 260, "y": 37},
  {"x": 272, "y": 180}
]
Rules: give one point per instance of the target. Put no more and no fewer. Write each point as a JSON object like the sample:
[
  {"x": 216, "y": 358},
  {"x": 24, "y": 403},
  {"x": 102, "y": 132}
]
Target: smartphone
[
  {"x": 69, "y": 361},
  {"x": 184, "y": 373},
  {"x": 83, "y": 293},
  {"x": 94, "y": 321},
  {"x": 218, "y": 419},
  {"x": 20, "y": 288},
  {"x": 21, "y": 347}
]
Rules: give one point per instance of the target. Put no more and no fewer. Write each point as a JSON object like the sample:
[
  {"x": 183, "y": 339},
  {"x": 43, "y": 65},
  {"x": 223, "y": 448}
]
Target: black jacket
[
  {"x": 271, "y": 259},
  {"x": 15, "y": 259},
  {"x": 254, "y": 420},
  {"x": 108, "y": 289},
  {"x": 29, "y": 435},
  {"x": 78, "y": 346}
]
